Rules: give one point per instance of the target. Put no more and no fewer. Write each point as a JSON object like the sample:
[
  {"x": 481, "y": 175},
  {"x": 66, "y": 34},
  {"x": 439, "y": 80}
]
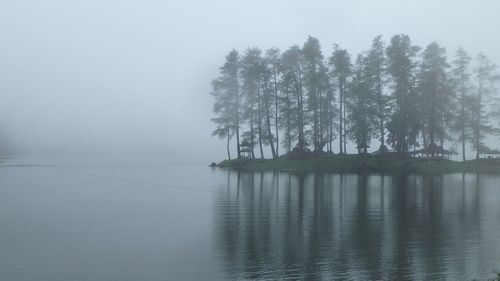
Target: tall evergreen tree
[
  {"x": 288, "y": 105},
  {"x": 401, "y": 65},
  {"x": 269, "y": 90},
  {"x": 486, "y": 79},
  {"x": 362, "y": 106},
  {"x": 222, "y": 110},
  {"x": 376, "y": 70},
  {"x": 292, "y": 65},
  {"x": 227, "y": 101},
  {"x": 251, "y": 73},
  {"x": 434, "y": 92},
  {"x": 313, "y": 74},
  {"x": 340, "y": 62},
  {"x": 461, "y": 76},
  {"x": 273, "y": 60},
  {"x": 327, "y": 108}
]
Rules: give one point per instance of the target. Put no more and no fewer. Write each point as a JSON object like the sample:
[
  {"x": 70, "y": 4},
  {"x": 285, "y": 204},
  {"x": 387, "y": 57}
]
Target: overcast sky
[{"x": 133, "y": 77}]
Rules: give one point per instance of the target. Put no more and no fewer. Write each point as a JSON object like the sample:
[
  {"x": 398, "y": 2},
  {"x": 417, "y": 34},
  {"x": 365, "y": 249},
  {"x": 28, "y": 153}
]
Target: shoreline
[{"x": 352, "y": 163}]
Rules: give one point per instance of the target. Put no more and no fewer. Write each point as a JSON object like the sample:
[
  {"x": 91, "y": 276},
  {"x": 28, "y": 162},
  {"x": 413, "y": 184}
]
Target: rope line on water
[{"x": 107, "y": 177}]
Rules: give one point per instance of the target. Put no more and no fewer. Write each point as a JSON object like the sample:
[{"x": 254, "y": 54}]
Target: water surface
[{"x": 189, "y": 222}]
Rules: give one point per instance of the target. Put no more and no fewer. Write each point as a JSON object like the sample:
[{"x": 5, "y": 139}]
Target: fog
[{"x": 132, "y": 78}]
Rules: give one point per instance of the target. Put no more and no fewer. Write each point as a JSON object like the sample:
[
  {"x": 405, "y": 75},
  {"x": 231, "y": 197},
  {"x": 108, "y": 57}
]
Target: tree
[
  {"x": 461, "y": 77},
  {"x": 376, "y": 70},
  {"x": 327, "y": 108},
  {"x": 340, "y": 62},
  {"x": 251, "y": 73},
  {"x": 267, "y": 103},
  {"x": 313, "y": 76},
  {"x": 362, "y": 106},
  {"x": 273, "y": 60},
  {"x": 292, "y": 66},
  {"x": 288, "y": 105},
  {"x": 404, "y": 122},
  {"x": 486, "y": 78},
  {"x": 223, "y": 130},
  {"x": 435, "y": 98},
  {"x": 226, "y": 107}
]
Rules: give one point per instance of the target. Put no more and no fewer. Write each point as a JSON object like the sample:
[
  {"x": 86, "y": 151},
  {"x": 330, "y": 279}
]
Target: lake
[{"x": 154, "y": 221}]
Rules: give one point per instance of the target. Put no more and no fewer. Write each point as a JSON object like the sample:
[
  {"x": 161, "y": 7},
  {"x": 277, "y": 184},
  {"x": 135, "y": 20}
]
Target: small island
[
  {"x": 388, "y": 164},
  {"x": 418, "y": 110}
]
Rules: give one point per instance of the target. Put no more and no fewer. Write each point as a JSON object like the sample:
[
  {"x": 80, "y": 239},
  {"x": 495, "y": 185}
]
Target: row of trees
[{"x": 401, "y": 95}]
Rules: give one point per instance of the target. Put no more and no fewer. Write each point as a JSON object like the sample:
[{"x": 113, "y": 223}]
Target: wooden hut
[
  {"x": 382, "y": 150},
  {"x": 486, "y": 152},
  {"x": 433, "y": 151}
]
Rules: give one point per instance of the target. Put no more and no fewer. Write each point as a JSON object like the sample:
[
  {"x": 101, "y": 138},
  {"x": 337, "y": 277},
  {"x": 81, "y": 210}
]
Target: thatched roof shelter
[
  {"x": 433, "y": 151},
  {"x": 382, "y": 150},
  {"x": 487, "y": 152}
]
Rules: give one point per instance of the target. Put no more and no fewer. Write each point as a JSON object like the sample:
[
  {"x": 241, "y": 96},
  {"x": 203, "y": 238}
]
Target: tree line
[{"x": 397, "y": 93}]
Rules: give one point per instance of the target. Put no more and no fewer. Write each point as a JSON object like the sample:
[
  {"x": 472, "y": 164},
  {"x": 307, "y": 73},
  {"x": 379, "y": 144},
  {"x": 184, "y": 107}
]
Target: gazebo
[
  {"x": 246, "y": 149},
  {"x": 382, "y": 150},
  {"x": 301, "y": 147},
  {"x": 489, "y": 153},
  {"x": 433, "y": 151}
]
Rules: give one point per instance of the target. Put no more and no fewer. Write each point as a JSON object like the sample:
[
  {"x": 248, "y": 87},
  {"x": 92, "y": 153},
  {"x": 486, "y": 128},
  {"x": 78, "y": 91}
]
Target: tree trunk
[
  {"x": 288, "y": 125},
  {"x": 238, "y": 125},
  {"x": 462, "y": 116},
  {"x": 478, "y": 124},
  {"x": 315, "y": 122},
  {"x": 260, "y": 131},
  {"x": 276, "y": 112},
  {"x": 270, "y": 134},
  {"x": 227, "y": 146},
  {"x": 238, "y": 140},
  {"x": 252, "y": 132},
  {"x": 341, "y": 99},
  {"x": 301, "y": 115},
  {"x": 345, "y": 128},
  {"x": 380, "y": 109}
]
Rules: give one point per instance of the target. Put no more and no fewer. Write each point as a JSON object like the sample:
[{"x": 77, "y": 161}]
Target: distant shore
[{"x": 390, "y": 164}]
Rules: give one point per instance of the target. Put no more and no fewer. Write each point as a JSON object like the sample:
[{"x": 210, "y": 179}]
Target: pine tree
[
  {"x": 404, "y": 123},
  {"x": 434, "y": 93},
  {"x": 288, "y": 102},
  {"x": 273, "y": 61},
  {"x": 362, "y": 107},
  {"x": 486, "y": 79},
  {"x": 251, "y": 73},
  {"x": 222, "y": 110},
  {"x": 292, "y": 65},
  {"x": 267, "y": 104},
  {"x": 461, "y": 77},
  {"x": 376, "y": 71},
  {"x": 227, "y": 101},
  {"x": 340, "y": 62},
  {"x": 313, "y": 74}
]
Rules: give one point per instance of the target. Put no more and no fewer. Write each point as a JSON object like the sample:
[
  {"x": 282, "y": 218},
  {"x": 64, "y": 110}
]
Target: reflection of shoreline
[{"x": 319, "y": 227}]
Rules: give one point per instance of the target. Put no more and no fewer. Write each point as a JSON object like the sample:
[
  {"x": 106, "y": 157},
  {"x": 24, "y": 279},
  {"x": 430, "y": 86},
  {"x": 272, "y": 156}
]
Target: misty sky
[{"x": 133, "y": 77}]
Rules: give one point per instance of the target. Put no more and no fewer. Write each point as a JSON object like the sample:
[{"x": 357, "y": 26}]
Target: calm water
[{"x": 186, "y": 222}]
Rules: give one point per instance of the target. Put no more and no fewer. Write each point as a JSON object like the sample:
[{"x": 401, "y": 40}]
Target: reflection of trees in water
[{"x": 319, "y": 227}]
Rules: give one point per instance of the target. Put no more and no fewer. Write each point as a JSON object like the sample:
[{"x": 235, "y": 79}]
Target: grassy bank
[{"x": 368, "y": 163}]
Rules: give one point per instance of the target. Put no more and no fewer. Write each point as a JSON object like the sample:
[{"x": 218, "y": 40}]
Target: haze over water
[
  {"x": 172, "y": 222},
  {"x": 104, "y": 102}
]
